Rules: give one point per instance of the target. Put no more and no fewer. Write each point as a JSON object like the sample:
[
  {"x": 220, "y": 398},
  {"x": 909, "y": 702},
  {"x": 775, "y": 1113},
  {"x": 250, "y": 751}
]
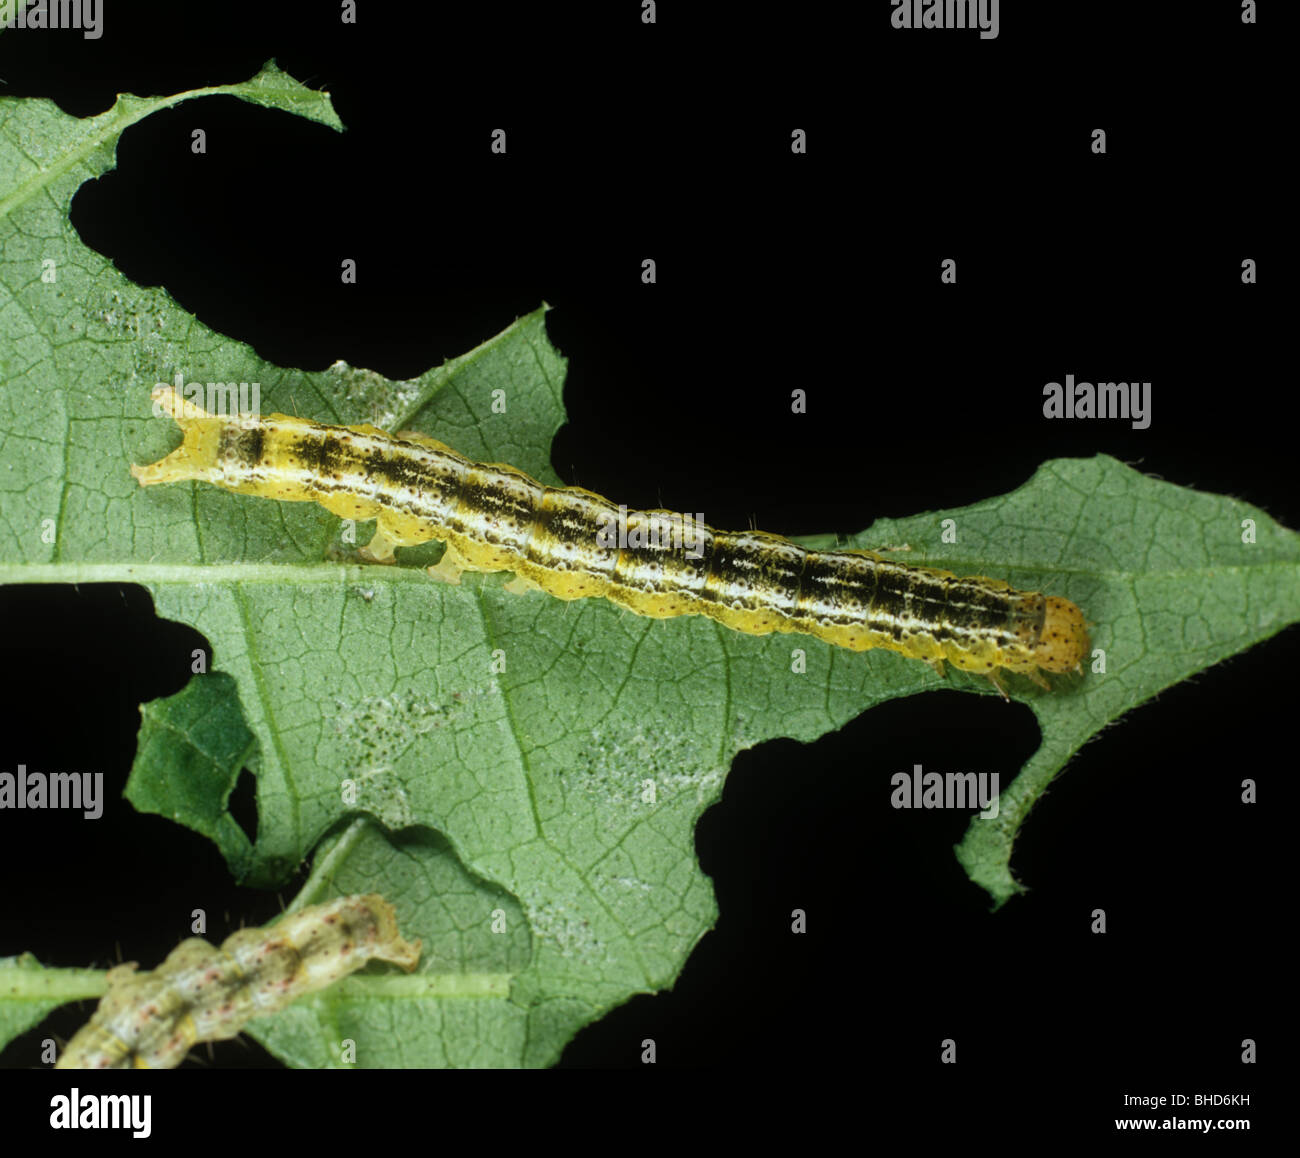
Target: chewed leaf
[{"x": 539, "y": 765}]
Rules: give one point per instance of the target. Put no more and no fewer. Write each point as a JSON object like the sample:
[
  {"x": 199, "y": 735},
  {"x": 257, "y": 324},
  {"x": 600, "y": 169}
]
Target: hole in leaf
[{"x": 243, "y": 804}]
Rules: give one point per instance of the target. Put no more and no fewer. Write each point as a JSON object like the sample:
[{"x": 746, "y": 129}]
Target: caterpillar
[
  {"x": 199, "y": 993},
  {"x": 574, "y": 544}
]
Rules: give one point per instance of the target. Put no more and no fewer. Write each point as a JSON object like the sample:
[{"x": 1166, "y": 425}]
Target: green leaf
[
  {"x": 28, "y": 991},
  {"x": 46, "y": 155},
  {"x": 538, "y": 766},
  {"x": 191, "y": 749},
  {"x": 1174, "y": 581}
]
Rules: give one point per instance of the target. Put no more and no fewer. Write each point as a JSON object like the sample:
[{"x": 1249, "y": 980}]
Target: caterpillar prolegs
[
  {"x": 574, "y": 544},
  {"x": 199, "y": 993}
]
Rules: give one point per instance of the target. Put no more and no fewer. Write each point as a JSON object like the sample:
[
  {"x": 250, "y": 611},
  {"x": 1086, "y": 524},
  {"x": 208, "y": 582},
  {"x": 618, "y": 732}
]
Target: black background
[{"x": 775, "y": 272}]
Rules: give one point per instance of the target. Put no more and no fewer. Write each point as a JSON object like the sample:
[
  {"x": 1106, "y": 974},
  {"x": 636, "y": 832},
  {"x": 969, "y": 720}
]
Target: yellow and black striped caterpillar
[
  {"x": 199, "y": 993},
  {"x": 574, "y": 544}
]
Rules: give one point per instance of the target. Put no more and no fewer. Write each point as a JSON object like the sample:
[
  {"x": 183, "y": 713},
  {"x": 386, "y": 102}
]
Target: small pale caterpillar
[
  {"x": 495, "y": 518},
  {"x": 200, "y": 993}
]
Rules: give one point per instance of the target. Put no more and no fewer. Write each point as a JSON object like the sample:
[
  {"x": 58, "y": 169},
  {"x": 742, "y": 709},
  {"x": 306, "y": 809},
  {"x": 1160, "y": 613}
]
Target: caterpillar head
[{"x": 1064, "y": 642}]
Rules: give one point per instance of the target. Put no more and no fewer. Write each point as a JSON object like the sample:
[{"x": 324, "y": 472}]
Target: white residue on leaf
[
  {"x": 384, "y": 401},
  {"x": 570, "y": 934},
  {"x": 633, "y": 883},
  {"x": 381, "y": 793},
  {"x": 639, "y": 767},
  {"x": 377, "y": 730}
]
